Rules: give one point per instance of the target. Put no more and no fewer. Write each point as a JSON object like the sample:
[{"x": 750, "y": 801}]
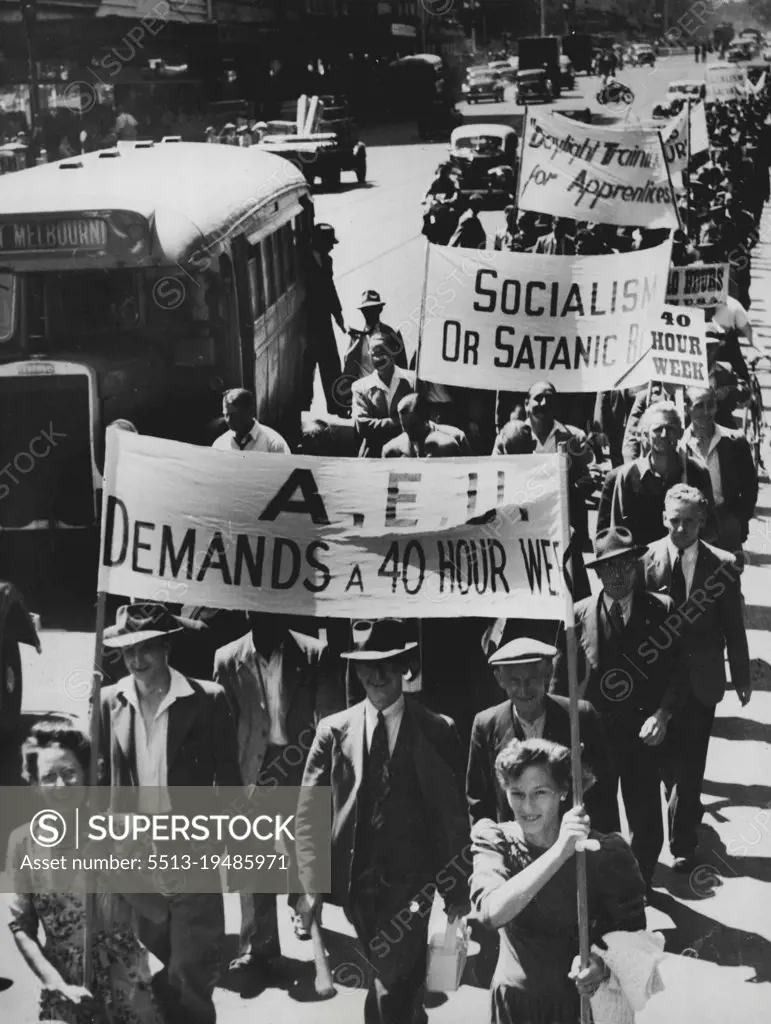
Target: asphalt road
[{"x": 717, "y": 924}]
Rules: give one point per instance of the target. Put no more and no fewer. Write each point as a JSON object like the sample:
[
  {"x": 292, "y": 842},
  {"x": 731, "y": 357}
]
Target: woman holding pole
[{"x": 524, "y": 884}]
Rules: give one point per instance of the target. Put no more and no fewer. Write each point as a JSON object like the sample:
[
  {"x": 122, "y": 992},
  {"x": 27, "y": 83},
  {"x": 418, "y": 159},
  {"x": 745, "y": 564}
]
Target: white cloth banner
[
  {"x": 502, "y": 321},
  {"x": 674, "y": 138},
  {"x": 698, "y": 284},
  {"x": 725, "y": 82},
  {"x": 569, "y": 169},
  {"x": 333, "y": 537},
  {"x": 678, "y": 352},
  {"x": 699, "y": 133}
]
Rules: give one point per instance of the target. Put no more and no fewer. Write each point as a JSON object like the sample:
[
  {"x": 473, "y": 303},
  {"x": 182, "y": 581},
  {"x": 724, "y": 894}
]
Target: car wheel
[
  {"x": 10, "y": 687},
  {"x": 331, "y": 177}
]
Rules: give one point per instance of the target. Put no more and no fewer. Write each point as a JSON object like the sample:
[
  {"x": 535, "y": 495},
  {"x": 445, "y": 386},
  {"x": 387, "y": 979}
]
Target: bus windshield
[{"x": 90, "y": 309}]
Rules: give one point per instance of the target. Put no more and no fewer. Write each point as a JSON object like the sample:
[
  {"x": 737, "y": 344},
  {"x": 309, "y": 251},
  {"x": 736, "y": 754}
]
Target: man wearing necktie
[
  {"x": 704, "y": 584},
  {"x": 399, "y": 830},
  {"x": 245, "y": 433},
  {"x": 630, "y": 668}
]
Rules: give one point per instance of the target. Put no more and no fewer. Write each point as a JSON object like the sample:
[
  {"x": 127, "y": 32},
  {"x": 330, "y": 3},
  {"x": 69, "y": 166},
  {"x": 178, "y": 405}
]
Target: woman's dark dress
[{"x": 531, "y": 984}]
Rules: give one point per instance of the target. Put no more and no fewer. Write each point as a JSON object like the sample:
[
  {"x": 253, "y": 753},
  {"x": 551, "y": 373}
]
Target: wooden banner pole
[
  {"x": 575, "y": 732},
  {"x": 422, "y": 312},
  {"x": 93, "y": 772}
]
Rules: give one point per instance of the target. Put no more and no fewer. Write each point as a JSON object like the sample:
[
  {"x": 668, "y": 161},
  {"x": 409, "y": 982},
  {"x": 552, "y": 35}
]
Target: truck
[
  {"x": 579, "y": 47},
  {"x": 542, "y": 52},
  {"x": 722, "y": 35}
]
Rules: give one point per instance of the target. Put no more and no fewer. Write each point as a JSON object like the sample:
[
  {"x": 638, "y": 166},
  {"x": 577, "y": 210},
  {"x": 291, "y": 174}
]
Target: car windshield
[{"x": 481, "y": 143}]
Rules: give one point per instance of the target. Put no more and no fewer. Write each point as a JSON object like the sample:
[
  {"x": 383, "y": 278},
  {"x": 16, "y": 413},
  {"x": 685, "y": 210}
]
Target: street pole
[
  {"x": 543, "y": 17},
  {"x": 29, "y": 17}
]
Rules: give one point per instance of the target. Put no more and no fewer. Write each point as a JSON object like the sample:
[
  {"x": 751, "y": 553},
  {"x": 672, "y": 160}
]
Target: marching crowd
[{"x": 437, "y": 785}]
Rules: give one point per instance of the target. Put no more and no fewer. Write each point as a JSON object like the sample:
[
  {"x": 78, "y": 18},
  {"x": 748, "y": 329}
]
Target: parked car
[
  {"x": 489, "y": 86},
  {"x": 485, "y": 159},
  {"x": 534, "y": 84},
  {"x": 17, "y": 626},
  {"x": 642, "y": 55},
  {"x": 567, "y": 74},
  {"x": 740, "y": 51},
  {"x": 678, "y": 94}
]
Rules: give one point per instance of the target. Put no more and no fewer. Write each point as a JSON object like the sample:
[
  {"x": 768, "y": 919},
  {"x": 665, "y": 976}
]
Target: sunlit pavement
[{"x": 718, "y": 922}]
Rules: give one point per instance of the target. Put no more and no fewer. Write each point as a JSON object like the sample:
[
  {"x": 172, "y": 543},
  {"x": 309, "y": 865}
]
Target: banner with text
[
  {"x": 698, "y": 284},
  {"x": 699, "y": 132},
  {"x": 725, "y": 82},
  {"x": 304, "y": 535},
  {"x": 586, "y": 172},
  {"x": 502, "y": 321},
  {"x": 678, "y": 352}
]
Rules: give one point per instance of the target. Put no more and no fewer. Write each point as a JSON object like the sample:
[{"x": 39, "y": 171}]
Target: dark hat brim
[{"x": 117, "y": 636}]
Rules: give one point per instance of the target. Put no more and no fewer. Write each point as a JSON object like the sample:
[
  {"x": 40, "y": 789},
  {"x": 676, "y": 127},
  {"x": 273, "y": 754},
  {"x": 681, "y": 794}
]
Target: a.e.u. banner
[
  {"x": 586, "y": 172},
  {"x": 503, "y": 321},
  {"x": 327, "y": 536}
]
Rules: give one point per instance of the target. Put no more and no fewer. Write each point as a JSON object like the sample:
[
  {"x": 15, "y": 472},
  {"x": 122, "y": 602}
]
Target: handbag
[{"x": 447, "y": 954}]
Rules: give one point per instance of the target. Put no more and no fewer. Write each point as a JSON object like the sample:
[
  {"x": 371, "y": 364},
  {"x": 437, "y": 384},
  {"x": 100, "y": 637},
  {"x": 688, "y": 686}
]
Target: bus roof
[{"x": 193, "y": 195}]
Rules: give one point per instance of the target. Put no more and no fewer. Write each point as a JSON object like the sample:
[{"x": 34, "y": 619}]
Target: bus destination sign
[{"x": 60, "y": 235}]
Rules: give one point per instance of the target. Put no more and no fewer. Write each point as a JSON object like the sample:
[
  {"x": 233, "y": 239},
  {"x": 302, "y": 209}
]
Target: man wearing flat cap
[
  {"x": 399, "y": 828},
  {"x": 631, "y": 669},
  {"x": 522, "y": 669},
  {"x": 323, "y": 307},
  {"x": 162, "y": 729}
]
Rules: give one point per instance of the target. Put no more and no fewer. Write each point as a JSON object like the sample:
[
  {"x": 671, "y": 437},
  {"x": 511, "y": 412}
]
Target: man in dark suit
[
  {"x": 633, "y": 494},
  {"x": 704, "y": 584},
  {"x": 399, "y": 830},
  {"x": 376, "y": 399},
  {"x": 523, "y": 669},
  {"x": 728, "y": 458},
  {"x": 421, "y": 437},
  {"x": 161, "y": 729},
  {"x": 630, "y": 669},
  {"x": 280, "y": 683},
  {"x": 324, "y": 307}
]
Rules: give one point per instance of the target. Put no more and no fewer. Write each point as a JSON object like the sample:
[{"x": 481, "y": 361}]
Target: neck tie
[
  {"x": 677, "y": 589},
  {"x": 617, "y": 617},
  {"x": 380, "y": 772}
]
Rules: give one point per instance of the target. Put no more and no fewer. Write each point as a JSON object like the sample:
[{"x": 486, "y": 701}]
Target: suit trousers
[
  {"x": 729, "y": 531},
  {"x": 322, "y": 351},
  {"x": 638, "y": 768},
  {"x": 392, "y": 927},
  {"x": 684, "y": 765},
  {"x": 259, "y": 910},
  {"x": 189, "y": 944}
]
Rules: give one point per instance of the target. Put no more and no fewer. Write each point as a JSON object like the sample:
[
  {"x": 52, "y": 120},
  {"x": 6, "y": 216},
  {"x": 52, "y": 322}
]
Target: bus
[{"x": 139, "y": 283}]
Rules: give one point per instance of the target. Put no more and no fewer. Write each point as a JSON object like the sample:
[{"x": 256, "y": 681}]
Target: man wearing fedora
[
  {"x": 357, "y": 361},
  {"x": 161, "y": 729},
  {"x": 522, "y": 669},
  {"x": 376, "y": 400},
  {"x": 399, "y": 829},
  {"x": 704, "y": 584},
  {"x": 323, "y": 307},
  {"x": 630, "y": 668},
  {"x": 280, "y": 683}
]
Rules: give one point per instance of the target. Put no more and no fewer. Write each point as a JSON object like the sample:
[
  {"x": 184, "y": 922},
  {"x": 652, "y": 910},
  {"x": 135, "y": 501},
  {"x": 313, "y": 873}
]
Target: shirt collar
[
  {"x": 377, "y": 382},
  {"x": 395, "y": 710},
  {"x": 625, "y": 602},
  {"x": 714, "y": 440},
  {"x": 179, "y": 687},
  {"x": 688, "y": 555}
]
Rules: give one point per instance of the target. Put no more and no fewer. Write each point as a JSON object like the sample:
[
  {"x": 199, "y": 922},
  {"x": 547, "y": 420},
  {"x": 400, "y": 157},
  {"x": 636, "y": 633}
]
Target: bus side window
[
  {"x": 256, "y": 284},
  {"x": 289, "y": 254},
  {"x": 279, "y": 262},
  {"x": 269, "y": 264}
]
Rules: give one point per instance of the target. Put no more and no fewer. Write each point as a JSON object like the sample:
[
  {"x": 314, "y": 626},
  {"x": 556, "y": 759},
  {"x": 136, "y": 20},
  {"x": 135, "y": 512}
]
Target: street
[{"x": 717, "y": 922}]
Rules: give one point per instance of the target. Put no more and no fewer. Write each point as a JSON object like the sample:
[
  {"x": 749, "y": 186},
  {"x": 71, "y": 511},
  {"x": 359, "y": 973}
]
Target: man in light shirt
[
  {"x": 399, "y": 828},
  {"x": 162, "y": 729},
  {"x": 376, "y": 399},
  {"x": 280, "y": 683},
  {"x": 732, "y": 471},
  {"x": 705, "y": 585},
  {"x": 245, "y": 433}
]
